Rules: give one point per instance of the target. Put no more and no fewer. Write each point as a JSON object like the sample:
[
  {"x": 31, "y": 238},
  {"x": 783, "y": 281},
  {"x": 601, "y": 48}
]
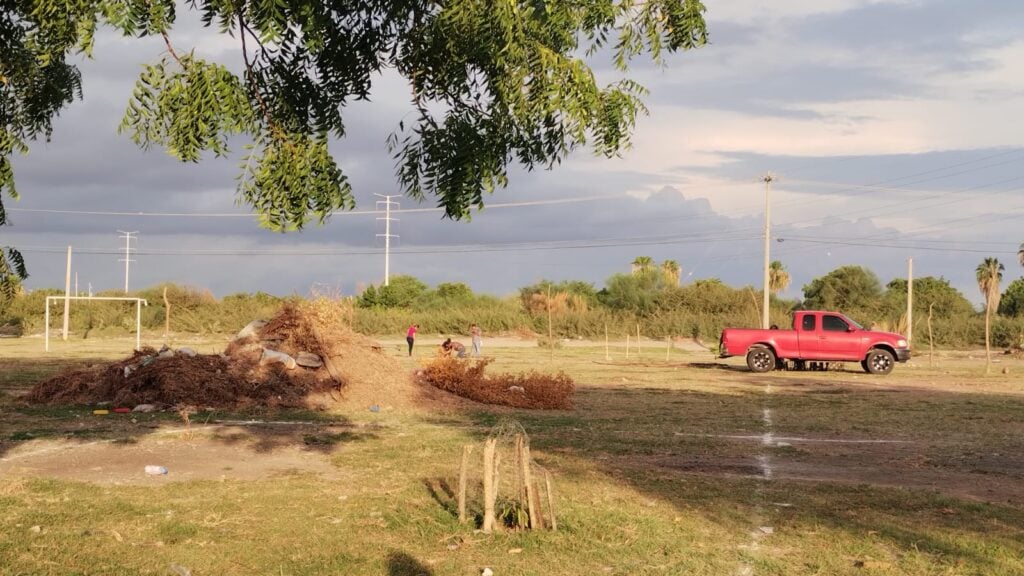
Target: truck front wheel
[
  {"x": 760, "y": 359},
  {"x": 879, "y": 361}
]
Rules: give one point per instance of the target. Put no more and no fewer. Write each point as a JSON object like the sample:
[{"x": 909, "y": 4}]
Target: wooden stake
[
  {"x": 627, "y": 346},
  {"x": 462, "y": 482},
  {"x": 931, "y": 343},
  {"x": 638, "y": 340},
  {"x": 167, "y": 314},
  {"x": 551, "y": 339},
  {"x": 668, "y": 348},
  {"x": 489, "y": 495},
  {"x": 606, "y": 355},
  {"x": 528, "y": 481},
  {"x": 551, "y": 500}
]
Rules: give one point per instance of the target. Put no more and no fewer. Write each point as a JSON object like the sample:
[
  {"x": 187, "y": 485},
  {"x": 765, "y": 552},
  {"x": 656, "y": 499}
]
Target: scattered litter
[
  {"x": 375, "y": 408},
  {"x": 251, "y": 330},
  {"x": 515, "y": 550},
  {"x": 180, "y": 570},
  {"x": 767, "y": 530},
  {"x": 144, "y": 408},
  {"x": 154, "y": 470},
  {"x": 487, "y": 572},
  {"x": 453, "y": 546},
  {"x": 308, "y": 360},
  {"x": 36, "y": 529},
  {"x": 122, "y": 410},
  {"x": 185, "y": 351},
  {"x": 272, "y": 356},
  {"x": 100, "y": 412},
  {"x": 518, "y": 389},
  {"x": 782, "y": 504}
]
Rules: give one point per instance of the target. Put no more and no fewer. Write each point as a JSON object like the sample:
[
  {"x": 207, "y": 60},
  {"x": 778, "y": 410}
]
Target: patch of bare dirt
[{"x": 206, "y": 453}]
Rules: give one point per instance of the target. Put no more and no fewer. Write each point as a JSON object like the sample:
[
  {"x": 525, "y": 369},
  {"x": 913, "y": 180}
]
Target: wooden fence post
[
  {"x": 551, "y": 500},
  {"x": 530, "y": 488},
  {"x": 489, "y": 488},
  {"x": 462, "y": 482}
]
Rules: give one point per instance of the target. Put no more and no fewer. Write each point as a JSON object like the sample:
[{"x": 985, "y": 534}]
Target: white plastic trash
[
  {"x": 154, "y": 470},
  {"x": 271, "y": 356}
]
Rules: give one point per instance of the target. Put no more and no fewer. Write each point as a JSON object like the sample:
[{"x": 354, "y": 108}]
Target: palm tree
[
  {"x": 990, "y": 274},
  {"x": 778, "y": 278},
  {"x": 671, "y": 270},
  {"x": 642, "y": 264}
]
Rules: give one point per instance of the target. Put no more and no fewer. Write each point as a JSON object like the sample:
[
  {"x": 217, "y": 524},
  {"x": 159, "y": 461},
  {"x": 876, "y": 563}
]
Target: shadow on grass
[
  {"x": 674, "y": 446},
  {"x": 402, "y": 564}
]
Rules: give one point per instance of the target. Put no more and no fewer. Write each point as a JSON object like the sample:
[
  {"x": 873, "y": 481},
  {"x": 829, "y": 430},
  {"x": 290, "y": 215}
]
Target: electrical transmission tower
[
  {"x": 127, "y": 254},
  {"x": 387, "y": 235}
]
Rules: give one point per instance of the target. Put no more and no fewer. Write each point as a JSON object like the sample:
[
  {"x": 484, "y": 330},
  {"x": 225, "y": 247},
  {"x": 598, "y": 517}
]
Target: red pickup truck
[{"x": 816, "y": 337}]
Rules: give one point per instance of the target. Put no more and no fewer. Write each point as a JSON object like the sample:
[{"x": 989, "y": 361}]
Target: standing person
[
  {"x": 410, "y": 336},
  {"x": 478, "y": 339}
]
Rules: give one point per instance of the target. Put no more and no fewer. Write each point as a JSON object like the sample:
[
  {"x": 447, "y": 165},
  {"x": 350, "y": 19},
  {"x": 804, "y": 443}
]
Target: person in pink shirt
[{"x": 410, "y": 336}]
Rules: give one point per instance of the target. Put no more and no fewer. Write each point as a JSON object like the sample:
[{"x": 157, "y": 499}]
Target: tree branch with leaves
[{"x": 494, "y": 84}]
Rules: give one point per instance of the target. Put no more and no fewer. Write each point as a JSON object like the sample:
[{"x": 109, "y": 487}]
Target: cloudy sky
[{"x": 894, "y": 130}]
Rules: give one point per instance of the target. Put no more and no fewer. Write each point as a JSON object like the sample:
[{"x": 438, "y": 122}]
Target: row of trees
[{"x": 649, "y": 295}]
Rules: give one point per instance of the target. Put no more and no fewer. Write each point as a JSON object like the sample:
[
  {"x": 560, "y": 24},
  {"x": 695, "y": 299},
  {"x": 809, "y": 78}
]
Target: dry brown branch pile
[
  {"x": 466, "y": 378},
  {"x": 237, "y": 380}
]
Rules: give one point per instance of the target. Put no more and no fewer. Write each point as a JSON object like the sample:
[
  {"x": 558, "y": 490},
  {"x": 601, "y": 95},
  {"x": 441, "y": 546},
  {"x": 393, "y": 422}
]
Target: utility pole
[
  {"x": 387, "y": 202},
  {"x": 67, "y": 299},
  {"x": 767, "y": 179},
  {"x": 910, "y": 299},
  {"x": 127, "y": 254}
]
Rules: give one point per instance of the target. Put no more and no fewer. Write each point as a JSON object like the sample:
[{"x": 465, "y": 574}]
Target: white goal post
[{"x": 139, "y": 303}]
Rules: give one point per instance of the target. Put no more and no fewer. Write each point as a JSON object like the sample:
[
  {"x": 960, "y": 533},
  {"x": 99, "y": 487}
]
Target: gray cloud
[{"x": 89, "y": 167}]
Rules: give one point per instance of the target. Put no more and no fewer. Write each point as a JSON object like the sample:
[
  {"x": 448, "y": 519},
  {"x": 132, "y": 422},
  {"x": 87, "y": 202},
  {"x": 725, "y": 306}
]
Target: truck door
[
  {"x": 836, "y": 341},
  {"x": 807, "y": 337}
]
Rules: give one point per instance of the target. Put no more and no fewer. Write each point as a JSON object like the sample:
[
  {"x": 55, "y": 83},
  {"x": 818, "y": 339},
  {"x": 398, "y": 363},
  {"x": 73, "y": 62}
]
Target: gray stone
[
  {"x": 251, "y": 329},
  {"x": 308, "y": 360}
]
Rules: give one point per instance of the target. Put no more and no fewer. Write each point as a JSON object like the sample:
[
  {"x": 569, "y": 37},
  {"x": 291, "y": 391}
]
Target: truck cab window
[
  {"x": 834, "y": 324},
  {"x": 808, "y": 323}
]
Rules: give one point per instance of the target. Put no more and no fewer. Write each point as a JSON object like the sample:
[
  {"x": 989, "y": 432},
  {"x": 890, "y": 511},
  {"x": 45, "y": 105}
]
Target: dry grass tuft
[{"x": 532, "y": 389}]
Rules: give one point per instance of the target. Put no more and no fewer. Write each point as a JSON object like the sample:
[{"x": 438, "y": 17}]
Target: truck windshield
[{"x": 855, "y": 324}]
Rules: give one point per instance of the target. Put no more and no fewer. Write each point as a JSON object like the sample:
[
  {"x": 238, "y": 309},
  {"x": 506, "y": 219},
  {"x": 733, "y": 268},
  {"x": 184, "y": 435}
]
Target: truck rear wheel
[
  {"x": 879, "y": 361},
  {"x": 760, "y": 359}
]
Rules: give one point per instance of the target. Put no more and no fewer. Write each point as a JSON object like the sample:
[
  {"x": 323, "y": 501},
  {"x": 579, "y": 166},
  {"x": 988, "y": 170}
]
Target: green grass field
[{"x": 685, "y": 466}]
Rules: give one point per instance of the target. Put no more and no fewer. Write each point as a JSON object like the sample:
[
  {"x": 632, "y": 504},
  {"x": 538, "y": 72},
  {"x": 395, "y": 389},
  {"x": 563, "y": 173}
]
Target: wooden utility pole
[
  {"x": 767, "y": 179},
  {"x": 910, "y": 300}
]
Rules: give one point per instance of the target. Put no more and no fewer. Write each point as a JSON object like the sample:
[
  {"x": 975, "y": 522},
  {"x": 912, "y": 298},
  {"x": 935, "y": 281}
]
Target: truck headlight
[{"x": 901, "y": 343}]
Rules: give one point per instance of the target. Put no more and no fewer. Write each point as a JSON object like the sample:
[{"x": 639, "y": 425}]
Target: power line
[{"x": 523, "y": 204}]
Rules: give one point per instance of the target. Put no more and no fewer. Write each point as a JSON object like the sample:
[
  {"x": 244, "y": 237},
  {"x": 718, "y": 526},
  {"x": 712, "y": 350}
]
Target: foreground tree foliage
[{"x": 493, "y": 84}]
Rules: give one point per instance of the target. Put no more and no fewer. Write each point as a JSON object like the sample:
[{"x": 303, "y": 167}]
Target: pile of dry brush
[
  {"x": 359, "y": 371},
  {"x": 532, "y": 390}
]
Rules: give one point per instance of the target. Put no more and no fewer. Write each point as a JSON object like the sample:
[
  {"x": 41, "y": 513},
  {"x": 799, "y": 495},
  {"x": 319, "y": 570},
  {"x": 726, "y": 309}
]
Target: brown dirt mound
[{"x": 236, "y": 379}]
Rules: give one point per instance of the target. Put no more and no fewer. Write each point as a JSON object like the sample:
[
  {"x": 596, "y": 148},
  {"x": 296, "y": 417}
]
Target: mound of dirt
[{"x": 354, "y": 370}]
